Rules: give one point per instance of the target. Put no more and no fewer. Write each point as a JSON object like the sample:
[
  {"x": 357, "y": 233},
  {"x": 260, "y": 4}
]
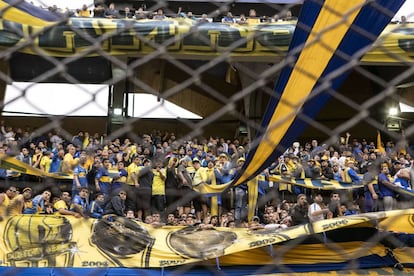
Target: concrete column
[
  {"x": 4, "y": 68},
  {"x": 117, "y": 100}
]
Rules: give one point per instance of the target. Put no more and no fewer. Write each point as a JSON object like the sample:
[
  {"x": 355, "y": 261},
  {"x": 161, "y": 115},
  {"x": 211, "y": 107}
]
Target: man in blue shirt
[
  {"x": 103, "y": 179},
  {"x": 80, "y": 202},
  {"x": 96, "y": 207},
  {"x": 80, "y": 179}
]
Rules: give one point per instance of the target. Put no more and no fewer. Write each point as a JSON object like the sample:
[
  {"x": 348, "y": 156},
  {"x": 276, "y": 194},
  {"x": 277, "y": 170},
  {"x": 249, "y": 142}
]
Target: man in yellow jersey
[
  {"x": 46, "y": 161},
  {"x": 5, "y": 199},
  {"x": 68, "y": 160},
  {"x": 63, "y": 205},
  {"x": 132, "y": 183},
  {"x": 158, "y": 188},
  {"x": 20, "y": 203},
  {"x": 351, "y": 175}
]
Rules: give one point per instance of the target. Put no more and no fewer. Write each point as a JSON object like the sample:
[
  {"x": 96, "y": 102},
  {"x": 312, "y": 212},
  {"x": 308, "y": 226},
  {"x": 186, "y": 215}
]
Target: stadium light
[
  {"x": 393, "y": 111},
  {"x": 117, "y": 111}
]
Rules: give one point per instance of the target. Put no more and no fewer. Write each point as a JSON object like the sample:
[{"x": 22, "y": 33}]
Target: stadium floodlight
[
  {"x": 393, "y": 111},
  {"x": 117, "y": 111}
]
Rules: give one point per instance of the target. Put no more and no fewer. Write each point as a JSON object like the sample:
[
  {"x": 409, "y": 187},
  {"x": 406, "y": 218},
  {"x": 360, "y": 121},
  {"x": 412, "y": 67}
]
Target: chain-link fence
[{"x": 301, "y": 105}]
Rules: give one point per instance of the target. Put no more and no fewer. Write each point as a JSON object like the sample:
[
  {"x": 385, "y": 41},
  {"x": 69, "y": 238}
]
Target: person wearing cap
[
  {"x": 317, "y": 210},
  {"x": 208, "y": 157},
  {"x": 326, "y": 170},
  {"x": 350, "y": 172},
  {"x": 396, "y": 166},
  {"x": 241, "y": 160},
  {"x": 351, "y": 176},
  {"x": 241, "y": 152},
  {"x": 255, "y": 224},
  {"x": 221, "y": 159},
  {"x": 312, "y": 169},
  {"x": 28, "y": 200}
]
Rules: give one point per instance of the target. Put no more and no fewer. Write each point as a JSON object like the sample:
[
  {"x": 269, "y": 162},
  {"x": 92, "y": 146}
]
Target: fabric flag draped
[
  {"x": 328, "y": 36},
  {"x": 23, "y": 12}
]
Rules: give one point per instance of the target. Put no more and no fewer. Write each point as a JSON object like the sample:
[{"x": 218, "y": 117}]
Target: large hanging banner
[
  {"x": 330, "y": 35},
  {"x": 65, "y": 241},
  {"x": 61, "y": 37}
]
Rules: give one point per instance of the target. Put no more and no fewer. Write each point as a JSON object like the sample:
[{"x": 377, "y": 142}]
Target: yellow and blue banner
[
  {"x": 69, "y": 242},
  {"x": 329, "y": 38}
]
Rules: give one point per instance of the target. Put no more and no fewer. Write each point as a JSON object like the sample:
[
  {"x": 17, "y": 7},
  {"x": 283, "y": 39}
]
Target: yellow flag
[{"x": 380, "y": 148}]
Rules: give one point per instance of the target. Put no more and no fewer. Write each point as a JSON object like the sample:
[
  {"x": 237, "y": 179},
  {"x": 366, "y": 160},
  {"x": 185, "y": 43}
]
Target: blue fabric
[
  {"x": 384, "y": 190},
  {"x": 368, "y": 262}
]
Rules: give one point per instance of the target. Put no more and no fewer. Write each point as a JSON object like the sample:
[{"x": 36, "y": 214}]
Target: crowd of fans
[
  {"x": 111, "y": 12},
  {"x": 100, "y": 10},
  {"x": 151, "y": 178}
]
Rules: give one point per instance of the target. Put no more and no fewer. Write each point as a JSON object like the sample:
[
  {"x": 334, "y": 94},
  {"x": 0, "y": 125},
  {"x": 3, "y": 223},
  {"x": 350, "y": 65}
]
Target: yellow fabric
[
  {"x": 60, "y": 204},
  {"x": 89, "y": 162},
  {"x": 309, "y": 254},
  {"x": 200, "y": 176},
  {"x": 85, "y": 141},
  {"x": 65, "y": 235},
  {"x": 45, "y": 163},
  {"x": 67, "y": 163},
  {"x": 252, "y": 192},
  {"x": 15, "y": 205},
  {"x": 83, "y": 13},
  {"x": 16, "y": 15},
  {"x": 380, "y": 148},
  {"x": 132, "y": 169},
  {"x": 4, "y": 205},
  {"x": 253, "y": 20},
  {"x": 329, "y": 29},
  {"x": 213, "y": 200},
  {"x": 346, "y": 175}
]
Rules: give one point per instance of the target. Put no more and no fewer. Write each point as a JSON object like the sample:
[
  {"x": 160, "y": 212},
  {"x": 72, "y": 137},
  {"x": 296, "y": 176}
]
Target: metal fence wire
[{"x": 293, "y": 104}]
